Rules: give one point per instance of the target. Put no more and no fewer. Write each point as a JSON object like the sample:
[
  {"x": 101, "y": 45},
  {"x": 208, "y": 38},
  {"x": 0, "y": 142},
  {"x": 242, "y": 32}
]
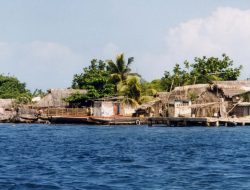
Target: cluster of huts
[{"x": 220, "y": 99}]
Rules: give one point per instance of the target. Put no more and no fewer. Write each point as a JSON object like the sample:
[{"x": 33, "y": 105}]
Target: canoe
[{"x": 115, "y": 120}]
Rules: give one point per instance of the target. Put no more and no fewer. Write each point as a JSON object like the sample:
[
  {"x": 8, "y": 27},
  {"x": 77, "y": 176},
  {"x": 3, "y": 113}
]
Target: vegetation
[
  {"x": 202, "y": 70},
  {"x": 151, "y": 88},
  {"x": 120, "y": 69},
  {"x": 96, "y": 79},
  {"x": 38, "y": 92},
  {"x": 11, "y": 87},
  {"x": 114, "y": 78},
  {"x": 109, "y": 78}
]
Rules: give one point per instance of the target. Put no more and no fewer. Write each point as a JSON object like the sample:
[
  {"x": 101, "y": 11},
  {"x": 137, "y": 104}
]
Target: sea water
[{"x": 123, "y": 157}]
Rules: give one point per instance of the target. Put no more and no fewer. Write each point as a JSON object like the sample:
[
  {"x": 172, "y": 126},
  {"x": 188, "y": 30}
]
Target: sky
[{"x": 45, "y": 42}]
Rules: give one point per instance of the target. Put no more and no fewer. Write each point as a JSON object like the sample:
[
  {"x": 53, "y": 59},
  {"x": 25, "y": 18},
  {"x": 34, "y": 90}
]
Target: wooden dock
[{"x": 197, "y": 121}]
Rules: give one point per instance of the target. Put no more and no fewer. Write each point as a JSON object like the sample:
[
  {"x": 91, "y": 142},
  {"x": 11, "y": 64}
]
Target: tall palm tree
[{"x": 120, "y": 69}]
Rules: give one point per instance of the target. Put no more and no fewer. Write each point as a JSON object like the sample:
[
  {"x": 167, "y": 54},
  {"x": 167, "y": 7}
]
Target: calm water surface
[{"x": 126, "y": 157}]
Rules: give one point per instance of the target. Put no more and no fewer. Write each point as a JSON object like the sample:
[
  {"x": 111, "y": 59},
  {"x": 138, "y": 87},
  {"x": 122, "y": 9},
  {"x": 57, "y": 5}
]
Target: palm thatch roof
[
  {"x": 186, "y": 92},
  {"x": 163, "y": 96},
  {"x": 233, "y": 88},
  {"x": 147, "y": 105},
  {"x": 55, "y": 97},
  {"x": 110, "y": 98}
]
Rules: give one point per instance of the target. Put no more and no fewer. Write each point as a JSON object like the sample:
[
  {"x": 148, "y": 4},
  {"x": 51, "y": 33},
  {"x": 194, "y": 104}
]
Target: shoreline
[{"x": 118, "y": 120}]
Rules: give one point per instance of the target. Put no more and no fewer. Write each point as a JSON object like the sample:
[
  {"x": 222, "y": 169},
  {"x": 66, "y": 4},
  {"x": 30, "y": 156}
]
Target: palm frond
[
  {"x": 130, "y": 61},
  {"x": 120, "y": 63},
  {"x": 112, "y": 66},
  {"x": 145, "y": 99},
  {"x": 129, "y": 101}
]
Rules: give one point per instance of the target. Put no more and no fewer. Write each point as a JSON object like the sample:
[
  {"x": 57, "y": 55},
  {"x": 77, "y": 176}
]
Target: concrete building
[{"x": 112, "y": 106}]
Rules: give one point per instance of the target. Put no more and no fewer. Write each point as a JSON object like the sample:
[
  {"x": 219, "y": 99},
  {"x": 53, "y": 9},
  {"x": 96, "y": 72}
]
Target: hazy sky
[{"x": 45, "y": 42}]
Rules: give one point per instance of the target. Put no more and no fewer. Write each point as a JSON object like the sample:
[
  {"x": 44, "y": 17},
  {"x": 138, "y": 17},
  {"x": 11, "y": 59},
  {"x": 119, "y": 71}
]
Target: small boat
[{"x": 115, "y": 120}]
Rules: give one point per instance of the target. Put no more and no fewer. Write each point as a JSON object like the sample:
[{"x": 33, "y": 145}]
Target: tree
[
  {"x": 110, "y": 78},
  {"x": 11, "y": 87},
  {"x": 151, "y": 88},
  {"x": 120, "y": 69},
  {"x": 38, "y": 92},
  {"x": 211, "y": 69},
  {"x": 202, "y": 70},
  {"x": 96, "y": 79},
  {"x": 179, "y": 77},
  {"x": 131, "y": 90}
]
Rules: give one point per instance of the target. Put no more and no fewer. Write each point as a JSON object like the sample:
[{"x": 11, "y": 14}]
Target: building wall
[
  {"x": 103, "y": 109},
  {"x": 127, "y": 110},
  {"x": 109, "y": 108},
  {"x": 171, "y": 111},
  {"x": 183, "y": 111},
  {"x": 210, "y": 111},
  {"x": 241, "y": 111},
  {"x": 180, "y": 108},
  {"x": 97, "y": 110}
]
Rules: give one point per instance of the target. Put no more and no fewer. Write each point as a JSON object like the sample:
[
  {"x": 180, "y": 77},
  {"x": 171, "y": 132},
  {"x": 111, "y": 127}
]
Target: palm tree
[
  {"x": 120, "y": 69},
  {"x": 130, "y": 89}
]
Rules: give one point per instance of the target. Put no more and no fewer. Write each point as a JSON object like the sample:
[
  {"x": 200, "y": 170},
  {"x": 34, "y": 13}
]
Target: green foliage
[
  {"x": 151, "y": 88},
  {"x": 203, "y": 70},
  {"x": 112, "y": 78},
  {"x": 192, "y": 96},
  {"x": 24, "y": 99},
  {"x": 129, "y": 101},
  {"x": 130, "y": 88},
  {"x": 76, "y": 99},
  {"x": 145, "y": 99},
  {"x": 96, "y": 79},
  {"x": 214, "y": 69},
  {"x": 11, "y": 87},
  {"x": 38, "y": 92},
  {"x": 109, "y": 78},
  {"x": 120, "y": 69}
]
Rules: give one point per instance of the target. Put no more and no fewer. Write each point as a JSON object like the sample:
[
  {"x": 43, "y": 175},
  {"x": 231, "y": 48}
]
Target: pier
[{"x": 199, "y": 121}]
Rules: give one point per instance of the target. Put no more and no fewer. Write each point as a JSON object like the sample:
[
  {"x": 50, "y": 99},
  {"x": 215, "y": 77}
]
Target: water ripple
[{"x": 84, "y": 157}]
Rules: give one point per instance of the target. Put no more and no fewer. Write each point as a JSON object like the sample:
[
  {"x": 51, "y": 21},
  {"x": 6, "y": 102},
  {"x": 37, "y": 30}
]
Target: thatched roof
[
  {"x": 150, "y": 104},
  {"x": 184, "y": 92},
  {"x": 55, "y": 97},
  {"x": 233, "y": 88},
  {"x": 110, "y": 98},
  {"x": 163, "y": 96},
  {"x": 6, "y": 103}
]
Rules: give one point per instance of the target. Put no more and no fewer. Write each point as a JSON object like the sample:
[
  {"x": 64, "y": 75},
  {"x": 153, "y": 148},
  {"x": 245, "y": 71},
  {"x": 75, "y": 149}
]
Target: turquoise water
[{"x": 123, "y": 157}]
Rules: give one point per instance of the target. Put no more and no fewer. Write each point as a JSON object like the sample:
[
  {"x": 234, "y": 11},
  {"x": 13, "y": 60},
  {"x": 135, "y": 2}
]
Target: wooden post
[
  {"x": 217, "y": 124},
  {"x": 185, "y": 123},
  {"x": 168, "y": 123},
  {"x": 150, "y": 123}
]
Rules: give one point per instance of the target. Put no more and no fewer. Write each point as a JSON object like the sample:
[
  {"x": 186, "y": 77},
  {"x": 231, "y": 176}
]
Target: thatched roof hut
[
  {"x": 208, "y": 92},
  {"x": 200, "y": 95},
  {"x": 192, "y": 92},
  {"x": 232, "y": 88},
  {"x": 152, "y": 108},
  {"x": 55, "y": 97}
]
